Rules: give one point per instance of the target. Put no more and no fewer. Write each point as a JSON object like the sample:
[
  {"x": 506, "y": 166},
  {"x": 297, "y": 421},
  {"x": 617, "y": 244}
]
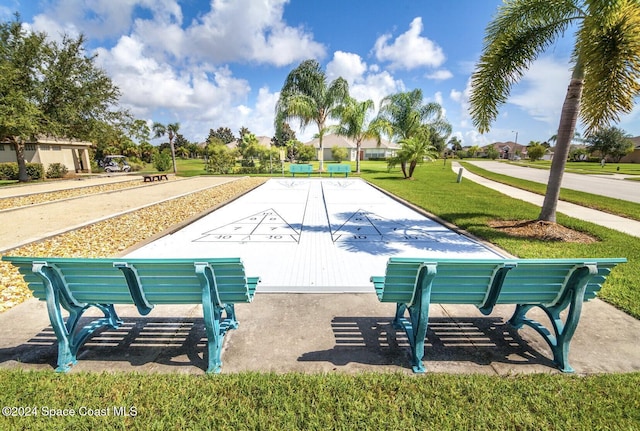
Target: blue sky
[{"x": 212, "y": 63}]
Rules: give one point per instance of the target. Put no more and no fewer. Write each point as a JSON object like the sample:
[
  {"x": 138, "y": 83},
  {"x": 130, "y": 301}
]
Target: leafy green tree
[
  {"x": 606, "y": 67},
  {"x": 610, "y": 142},
  {"x": 284, "y": 133},
  {"x": 535, "y": 151},
  {"x": 305, "y": 153},
  {"x": 455, "y": 144},
  {"x": 223, "y": 133},
  {"x": 50, "y": 88},
  {"x": 171, "y": 130},
  {"x": 474, "y": 150},
  {"x": 355, "y": 124},
  {"x": 306, "y": 96},
  {"x": 220, "y": 159},
  {"x": 492, "y": 153}
]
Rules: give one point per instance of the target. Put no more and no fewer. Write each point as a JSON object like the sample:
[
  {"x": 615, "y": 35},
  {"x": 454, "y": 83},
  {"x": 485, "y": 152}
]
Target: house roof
[{"x": 636, "y": 142}]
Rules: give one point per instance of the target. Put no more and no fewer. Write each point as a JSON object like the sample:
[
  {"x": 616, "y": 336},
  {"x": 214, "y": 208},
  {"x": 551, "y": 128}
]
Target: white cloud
[
  {"x": 365, "y": 82},
  {"x": 410, "y": 49},
  {"x": 249, "y": 30},
  {"x": 440, "y": 75},
  {"x": 347, "y": 65},
  {"x": 542, "y": 89}
]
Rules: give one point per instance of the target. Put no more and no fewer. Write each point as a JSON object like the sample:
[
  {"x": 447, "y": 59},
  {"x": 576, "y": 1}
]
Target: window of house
[
  {"x": 1, "y": 147},
  {"x": 30, "y": 147},
  {"x": 56, "y": 148}
]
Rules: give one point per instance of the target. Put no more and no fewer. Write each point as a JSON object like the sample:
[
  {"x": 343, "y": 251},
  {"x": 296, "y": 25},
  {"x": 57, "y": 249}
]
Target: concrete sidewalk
[{"x": 321, "y": 332}]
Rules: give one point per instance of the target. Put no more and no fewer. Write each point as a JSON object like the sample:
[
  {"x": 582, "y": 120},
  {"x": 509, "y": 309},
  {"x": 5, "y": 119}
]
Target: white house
[{"x": 369, "y": 149}]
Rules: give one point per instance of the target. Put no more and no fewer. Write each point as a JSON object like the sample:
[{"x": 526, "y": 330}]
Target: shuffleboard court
[{"x": 315, "y": 235}]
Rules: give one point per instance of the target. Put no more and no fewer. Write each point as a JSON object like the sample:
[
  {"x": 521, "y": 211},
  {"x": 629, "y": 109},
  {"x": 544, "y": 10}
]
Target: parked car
[{"x": 115, "y": 164}]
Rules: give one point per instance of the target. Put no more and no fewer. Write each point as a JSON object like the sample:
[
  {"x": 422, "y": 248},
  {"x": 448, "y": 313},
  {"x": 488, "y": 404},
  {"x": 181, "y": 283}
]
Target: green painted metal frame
[
  {"x": 339, "y": 169},
  {"x": 582, "y": 281},
  {"x": 58, "y": 295},
  {"x": 300, "y": 169}
]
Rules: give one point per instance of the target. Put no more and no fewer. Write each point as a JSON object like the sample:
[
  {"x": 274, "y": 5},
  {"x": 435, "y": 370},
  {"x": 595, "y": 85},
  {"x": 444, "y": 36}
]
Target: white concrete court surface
[{"x": 315, "y": 235}]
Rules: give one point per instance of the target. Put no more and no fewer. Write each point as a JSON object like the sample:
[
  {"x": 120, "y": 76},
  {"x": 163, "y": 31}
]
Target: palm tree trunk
[
  {"x": 566, "y": 130},
  {"x": 358, "y": 147}
]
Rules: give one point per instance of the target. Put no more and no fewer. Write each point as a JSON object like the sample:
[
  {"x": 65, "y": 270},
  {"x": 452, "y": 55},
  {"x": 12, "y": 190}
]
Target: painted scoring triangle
[{"x": 266, "y": 225}]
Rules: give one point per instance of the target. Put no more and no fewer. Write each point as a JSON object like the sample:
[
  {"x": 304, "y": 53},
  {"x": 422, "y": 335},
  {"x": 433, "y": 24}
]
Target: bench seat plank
[
  {"x": 554, "y": 285},
  {"x": 76, "y": 284}
]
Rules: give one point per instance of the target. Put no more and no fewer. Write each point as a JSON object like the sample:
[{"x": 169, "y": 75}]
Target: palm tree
[
  {"x": 404, "y": 116},
  {"x": 606, "y": 67},
  {"x": 306, "y": 96},
  {"x": 413, "y": 151},
  {"x": 353, "y": 123},
  {"x": 171, "y": 130}
]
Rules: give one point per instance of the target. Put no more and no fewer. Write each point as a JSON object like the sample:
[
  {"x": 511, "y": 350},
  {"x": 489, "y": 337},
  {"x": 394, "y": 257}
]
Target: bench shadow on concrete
[
  {"x": 480, "y": 340},
  {"x": 164, "y": 341}
]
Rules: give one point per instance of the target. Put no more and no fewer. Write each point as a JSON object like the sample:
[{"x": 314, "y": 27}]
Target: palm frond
[
  {"x": 520, "y": 32},
  {"x": 609, "y": 47}
]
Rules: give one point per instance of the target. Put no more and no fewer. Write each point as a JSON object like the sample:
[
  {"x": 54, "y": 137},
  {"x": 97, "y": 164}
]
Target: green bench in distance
[
  {"x": 300, "y": 169},
  {"x": 339, "y": 169},
  {"x": 76, "y": 284},
  {"x": 550, "y": 284}
]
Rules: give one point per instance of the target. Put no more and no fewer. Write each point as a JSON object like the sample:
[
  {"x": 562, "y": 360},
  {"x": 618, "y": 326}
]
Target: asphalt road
[{"x": 613, "y": 186}]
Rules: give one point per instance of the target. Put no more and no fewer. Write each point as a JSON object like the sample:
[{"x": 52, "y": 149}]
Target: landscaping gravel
[{"x": 110, "y": 237}]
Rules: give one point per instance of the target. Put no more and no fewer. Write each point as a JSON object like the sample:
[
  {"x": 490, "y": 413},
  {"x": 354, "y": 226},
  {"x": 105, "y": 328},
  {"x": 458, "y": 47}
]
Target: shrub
[
  {"x": 35, "y": 171},
  {"x": 57, "y": 170},
  {"x": 338, "y": 153},
  {"x": 8, "y": 171},
  {"x": 162, "y": 161}
]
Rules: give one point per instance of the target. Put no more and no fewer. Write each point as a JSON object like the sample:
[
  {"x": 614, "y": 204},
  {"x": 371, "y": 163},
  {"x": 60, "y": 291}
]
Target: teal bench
[
  {"x": 76, "y": 284},
  {"x": 300, "y": 169},
  {"x": 339, "y": 169},
  {"x": 550, "y": 284}
]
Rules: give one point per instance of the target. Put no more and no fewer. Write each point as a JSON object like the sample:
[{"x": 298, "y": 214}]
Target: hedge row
[{"x": 9, "y": 171}]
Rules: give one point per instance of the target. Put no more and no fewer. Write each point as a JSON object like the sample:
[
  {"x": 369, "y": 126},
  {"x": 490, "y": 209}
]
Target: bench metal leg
[
  {"x": 69, "y": 335},
  {"x": 215, "y": 324},
  {"x": 559, "y": 337},
  {"x": 416, "y": 325}
]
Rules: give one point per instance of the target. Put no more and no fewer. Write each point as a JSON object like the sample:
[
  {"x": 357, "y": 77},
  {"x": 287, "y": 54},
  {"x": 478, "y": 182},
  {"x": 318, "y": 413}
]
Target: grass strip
[
  {"x": 597, "y": 202},
  {"x": 368, "y": 401}
]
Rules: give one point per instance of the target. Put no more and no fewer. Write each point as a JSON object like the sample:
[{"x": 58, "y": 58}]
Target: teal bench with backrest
[
  {"x": 300, "y": 169},
  {"x": 339, "y": 169},
  {"x": 554, "y": 285},
  {"x": 76, "y": 284}
]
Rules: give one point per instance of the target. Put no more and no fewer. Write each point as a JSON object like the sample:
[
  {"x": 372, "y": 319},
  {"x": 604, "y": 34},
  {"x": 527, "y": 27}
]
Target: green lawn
[{"x": 369, "y": 401}]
